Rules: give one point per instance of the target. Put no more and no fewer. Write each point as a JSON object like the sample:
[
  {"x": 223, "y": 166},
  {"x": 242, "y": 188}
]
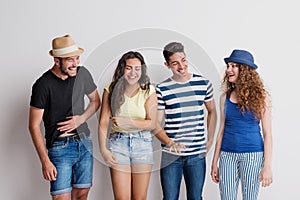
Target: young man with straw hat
[{"x": 58, "y": 99}]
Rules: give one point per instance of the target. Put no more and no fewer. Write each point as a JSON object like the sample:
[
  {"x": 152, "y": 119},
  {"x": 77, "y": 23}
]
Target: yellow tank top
[{"x": 133, "y": 107}]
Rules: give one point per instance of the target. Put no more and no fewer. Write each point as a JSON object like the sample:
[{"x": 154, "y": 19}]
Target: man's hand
[
  {"x": 175, "y": 146},
  {"x": 49, "y": 171},
  {"x": 71, "y": 124}
]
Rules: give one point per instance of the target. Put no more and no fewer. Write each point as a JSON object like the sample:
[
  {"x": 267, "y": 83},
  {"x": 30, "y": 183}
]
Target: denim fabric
[
  {"x": 193, "y": 168},
  {"x": 74, "y": 163},
  {"x": 132, "y": 148}
]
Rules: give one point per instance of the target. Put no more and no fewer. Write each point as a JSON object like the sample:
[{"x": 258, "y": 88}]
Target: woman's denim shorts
[{"x": 132, "y": 148}]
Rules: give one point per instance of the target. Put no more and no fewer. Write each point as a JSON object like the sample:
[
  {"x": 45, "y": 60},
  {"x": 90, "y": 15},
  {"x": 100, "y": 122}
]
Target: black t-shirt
[{"x": 61, "y": 99}]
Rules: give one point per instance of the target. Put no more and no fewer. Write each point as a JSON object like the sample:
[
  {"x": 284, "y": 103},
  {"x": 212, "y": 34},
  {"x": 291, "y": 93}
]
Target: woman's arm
[
  {"x": 148, "y": 123},
  {"x": 103, "y": 130},
  {"x": 214, "y": 166},
  {"x": 266, "y": 173}
]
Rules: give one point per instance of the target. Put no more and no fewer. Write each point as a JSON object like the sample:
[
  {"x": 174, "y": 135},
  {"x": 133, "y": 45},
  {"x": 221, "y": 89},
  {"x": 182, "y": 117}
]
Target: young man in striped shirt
[{"x": 181, "y": 102}]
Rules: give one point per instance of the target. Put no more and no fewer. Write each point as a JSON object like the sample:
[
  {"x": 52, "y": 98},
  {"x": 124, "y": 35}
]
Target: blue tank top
[{"x": 241, "y": 130}]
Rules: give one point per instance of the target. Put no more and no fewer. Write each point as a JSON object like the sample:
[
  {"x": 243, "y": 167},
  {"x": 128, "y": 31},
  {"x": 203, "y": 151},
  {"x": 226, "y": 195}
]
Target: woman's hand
[
  {"x": 215, "y": 173},
  {"x": 109, "y": 158},
  {"x": 266, "y": 177},
  {"x": 124, "y": 122}
]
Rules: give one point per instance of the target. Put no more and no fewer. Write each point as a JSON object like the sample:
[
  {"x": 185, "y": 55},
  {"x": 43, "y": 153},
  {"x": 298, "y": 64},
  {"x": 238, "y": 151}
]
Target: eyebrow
[
  {"x": 134, "y": 66},
  {"x": 184, "y": 58}
]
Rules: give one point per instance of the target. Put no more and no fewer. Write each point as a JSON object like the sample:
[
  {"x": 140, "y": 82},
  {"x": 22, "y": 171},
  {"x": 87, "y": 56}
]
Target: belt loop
[
  {"x": 82, "y": 135},
  {"x": 141, "y": 134},
  {"x": 130, "y": 140}
]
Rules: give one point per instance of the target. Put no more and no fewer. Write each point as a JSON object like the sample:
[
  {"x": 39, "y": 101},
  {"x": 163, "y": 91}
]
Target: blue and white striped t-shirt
[{"x": 183, "y": 104}]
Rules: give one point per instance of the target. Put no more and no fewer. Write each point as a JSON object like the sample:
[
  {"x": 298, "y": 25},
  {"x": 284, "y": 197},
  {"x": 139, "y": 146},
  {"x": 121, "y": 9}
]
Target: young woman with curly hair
[
  {"x": 242, "y": 153},
  {"x": 130, "y": 105}
]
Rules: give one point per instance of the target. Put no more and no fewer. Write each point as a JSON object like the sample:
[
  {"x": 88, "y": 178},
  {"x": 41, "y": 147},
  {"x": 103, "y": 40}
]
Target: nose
[
  {"x": 229, "y": 68},
  {"x": 132, "y": 71},
  {"x": 76, "y": 62},
  {"x": 180, "y": 64}
]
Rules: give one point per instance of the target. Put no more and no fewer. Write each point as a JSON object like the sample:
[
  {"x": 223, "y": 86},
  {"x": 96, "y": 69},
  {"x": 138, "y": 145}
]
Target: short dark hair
[{"x": 172, "y": 48}]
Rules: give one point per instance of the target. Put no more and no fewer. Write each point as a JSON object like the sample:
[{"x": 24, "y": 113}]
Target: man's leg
[
  {"x": 61, "y": 156},
  {"x": 194, "y": 175},
  {"x": 170, "y": 176},
  {"x": 83, "y": 170},
  {"x": 65, "y": 196},
  {"x": 79, "y": 193}
]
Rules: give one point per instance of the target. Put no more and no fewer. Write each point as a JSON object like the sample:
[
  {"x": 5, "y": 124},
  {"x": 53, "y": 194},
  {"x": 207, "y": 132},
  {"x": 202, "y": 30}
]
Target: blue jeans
[
  {"x": 74, "y": 164},
  {"x": 193, "y": 168}
]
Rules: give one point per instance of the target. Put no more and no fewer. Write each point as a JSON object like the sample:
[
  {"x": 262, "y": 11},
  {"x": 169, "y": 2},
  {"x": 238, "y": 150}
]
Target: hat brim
[
  {"x": 240, "y": 61},
  {"x": 74, "y": 53}
]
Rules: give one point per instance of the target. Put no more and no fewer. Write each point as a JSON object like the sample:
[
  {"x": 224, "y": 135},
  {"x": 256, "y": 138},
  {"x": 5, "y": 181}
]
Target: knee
[
  {"x": 80, "y": 194},
  {"x": 65, "y": 196},
  {"x": 139, "y": 198}
]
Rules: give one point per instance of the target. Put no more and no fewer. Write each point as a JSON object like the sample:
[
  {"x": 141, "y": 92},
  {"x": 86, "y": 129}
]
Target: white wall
[{"x": 266, "y": 28}]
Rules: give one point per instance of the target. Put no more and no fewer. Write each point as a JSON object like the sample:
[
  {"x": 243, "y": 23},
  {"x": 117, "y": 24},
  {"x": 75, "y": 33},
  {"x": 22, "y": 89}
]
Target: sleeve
[
  {"x": 161, "y": 102},
  {"x": 39, "y": 95},
  {"x": 89, "y": 85},
  {"x": 107, "y": 87},
  {"x": 209, "y": 92},
  {"x": 152, "y": 90}
]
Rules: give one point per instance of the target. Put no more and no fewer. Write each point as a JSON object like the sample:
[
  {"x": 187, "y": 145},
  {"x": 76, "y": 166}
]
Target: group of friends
[{"x": 179, "y": 111}]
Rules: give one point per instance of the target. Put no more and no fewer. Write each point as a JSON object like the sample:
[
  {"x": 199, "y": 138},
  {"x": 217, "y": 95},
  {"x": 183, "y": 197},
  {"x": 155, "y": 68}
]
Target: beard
[{"x": 64, "y": 70}]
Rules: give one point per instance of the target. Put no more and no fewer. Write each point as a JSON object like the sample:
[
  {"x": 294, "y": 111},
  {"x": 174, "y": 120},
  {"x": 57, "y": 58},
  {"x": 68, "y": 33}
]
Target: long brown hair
[
  {"x": 118, "y": 85},
  {"x": 251, "y": 93}
]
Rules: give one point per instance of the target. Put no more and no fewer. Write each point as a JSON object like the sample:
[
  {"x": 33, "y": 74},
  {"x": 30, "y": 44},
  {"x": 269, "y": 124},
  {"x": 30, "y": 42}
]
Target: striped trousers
[{"x": 240, "y": 167}]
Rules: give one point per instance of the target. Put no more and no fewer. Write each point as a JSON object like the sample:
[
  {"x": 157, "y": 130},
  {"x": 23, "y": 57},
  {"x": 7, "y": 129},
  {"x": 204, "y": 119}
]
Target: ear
[
  {"x": 167, "y": 65},
  {"x": 56, "y": 61}
]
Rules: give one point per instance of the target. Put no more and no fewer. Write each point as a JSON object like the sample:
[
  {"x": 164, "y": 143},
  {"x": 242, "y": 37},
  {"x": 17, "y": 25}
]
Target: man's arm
[
  {"x": 159, "y": 132},
  {"x": 35, "y": 119},
  {"x": 75, "y": 121},
  {"x": 161, "y": 135},
  {"x": 93, "y": 106},
  {"x": 211, "y": 122}
]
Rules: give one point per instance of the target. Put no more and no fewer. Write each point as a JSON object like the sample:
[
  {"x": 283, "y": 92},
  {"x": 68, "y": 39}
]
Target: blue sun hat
[{"x": 241, "y": 57}]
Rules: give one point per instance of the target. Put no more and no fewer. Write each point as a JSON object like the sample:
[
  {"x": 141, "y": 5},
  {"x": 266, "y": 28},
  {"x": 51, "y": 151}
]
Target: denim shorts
[
  {"x": 74, "y": 164},
  {"x": 132, "y": 148}
]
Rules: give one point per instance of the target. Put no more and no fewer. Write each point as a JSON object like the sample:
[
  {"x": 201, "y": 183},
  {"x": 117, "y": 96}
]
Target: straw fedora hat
[{"x": 64, "y": 47}]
